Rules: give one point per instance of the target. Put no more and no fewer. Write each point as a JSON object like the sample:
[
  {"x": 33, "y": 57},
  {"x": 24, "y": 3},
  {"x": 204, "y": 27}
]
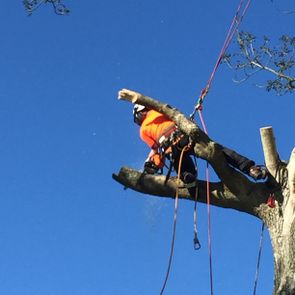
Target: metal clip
[{"x": 197, "y": 244}]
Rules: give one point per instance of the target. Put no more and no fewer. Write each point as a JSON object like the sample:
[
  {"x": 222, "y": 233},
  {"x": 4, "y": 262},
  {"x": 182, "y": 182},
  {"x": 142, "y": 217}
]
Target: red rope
[
  {"x": 233, "y": 27},
  {"x": 231, "y": 32}
]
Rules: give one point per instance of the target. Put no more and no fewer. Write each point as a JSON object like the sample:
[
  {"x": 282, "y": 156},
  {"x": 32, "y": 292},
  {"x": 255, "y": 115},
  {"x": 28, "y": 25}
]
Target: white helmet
[
  {"x": 139, "y": 113},
  {"x": 138, "y": 108}
]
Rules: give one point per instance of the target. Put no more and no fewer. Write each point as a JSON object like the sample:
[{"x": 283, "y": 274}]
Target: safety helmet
[{"x": 139, "y": 113}]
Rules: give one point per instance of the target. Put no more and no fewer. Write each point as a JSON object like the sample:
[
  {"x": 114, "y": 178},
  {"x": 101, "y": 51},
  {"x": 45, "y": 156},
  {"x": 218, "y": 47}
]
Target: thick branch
[
  {"x": 235, "y": 191},
  {"x": 183, "y": 123},
  {"x": 204, "y": 147},
  {"x": 220, "y": 195}
]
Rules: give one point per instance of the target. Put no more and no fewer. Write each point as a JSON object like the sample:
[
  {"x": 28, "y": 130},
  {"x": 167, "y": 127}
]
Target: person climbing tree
[
  {"x": 271, "y": 201},
  {"x": 166, "y": 141}
]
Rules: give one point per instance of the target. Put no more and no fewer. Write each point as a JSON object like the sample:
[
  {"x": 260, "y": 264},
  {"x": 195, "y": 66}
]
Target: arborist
[{"x": 167, "y": 141}]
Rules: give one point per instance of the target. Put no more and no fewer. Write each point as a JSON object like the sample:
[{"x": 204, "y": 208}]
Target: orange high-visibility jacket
[{"x": 153, "y": 127}]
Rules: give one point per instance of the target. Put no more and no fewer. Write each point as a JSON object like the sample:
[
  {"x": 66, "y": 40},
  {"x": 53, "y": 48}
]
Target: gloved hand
[
  {"x": 158, "y": 160},
  {"x": 150, "y": 167}
]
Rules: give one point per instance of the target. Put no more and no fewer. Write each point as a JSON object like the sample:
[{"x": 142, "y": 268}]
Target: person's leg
[
  {"x": 187, "y": 171},
  {"x": 237, "y": 161},
  {"x": 244, "y": 164}
]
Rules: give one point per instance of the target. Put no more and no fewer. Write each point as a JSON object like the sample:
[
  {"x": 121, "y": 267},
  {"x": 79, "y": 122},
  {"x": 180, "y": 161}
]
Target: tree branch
[
  {"x": 220, "y": 195},
  {"x": 234, "y": 191},
  {"x": 276, "y": 73},
  {"x": 204, "y": 147},
  {"x": 183, "y": 123}
]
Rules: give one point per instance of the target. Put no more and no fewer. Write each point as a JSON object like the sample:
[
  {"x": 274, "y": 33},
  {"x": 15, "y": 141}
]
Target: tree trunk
[
  {"x": 273, "y": 201},
  {"x": 281, "y": 220}
]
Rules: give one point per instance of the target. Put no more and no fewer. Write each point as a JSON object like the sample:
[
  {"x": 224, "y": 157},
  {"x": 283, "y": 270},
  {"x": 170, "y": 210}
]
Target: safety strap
[
  {"x": 166, "y": 134},
  {"x": 171, "y": 160}
]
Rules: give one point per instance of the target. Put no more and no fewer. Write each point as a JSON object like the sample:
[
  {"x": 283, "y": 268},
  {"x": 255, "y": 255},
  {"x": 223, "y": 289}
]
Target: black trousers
[{"x": 237, "y": 161}]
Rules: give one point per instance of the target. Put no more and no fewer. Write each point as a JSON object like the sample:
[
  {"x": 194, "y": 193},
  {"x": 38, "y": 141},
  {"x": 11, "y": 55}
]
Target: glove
[
  {"x": 150, "y": 167},
  {"x": 158, "y": 160}
]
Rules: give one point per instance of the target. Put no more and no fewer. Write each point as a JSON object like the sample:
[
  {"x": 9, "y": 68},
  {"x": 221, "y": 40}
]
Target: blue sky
[{"x": 66, "y": 227}]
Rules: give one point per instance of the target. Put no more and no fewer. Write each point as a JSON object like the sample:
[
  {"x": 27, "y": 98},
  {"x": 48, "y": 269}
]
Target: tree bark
[
  {"x": 235, "y": 190},
  {"x": 280, "y": 220}
]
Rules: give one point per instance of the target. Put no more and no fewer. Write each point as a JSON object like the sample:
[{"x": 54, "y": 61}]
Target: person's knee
[{"x": 188, "y": 177}]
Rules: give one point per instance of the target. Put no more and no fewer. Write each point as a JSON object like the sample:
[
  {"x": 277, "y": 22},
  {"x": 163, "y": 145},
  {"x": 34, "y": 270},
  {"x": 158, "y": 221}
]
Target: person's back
[{"x": 154, "y": 126}]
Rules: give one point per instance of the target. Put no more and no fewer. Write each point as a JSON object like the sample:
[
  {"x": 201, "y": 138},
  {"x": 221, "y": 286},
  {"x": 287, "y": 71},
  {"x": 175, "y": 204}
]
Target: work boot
[{"x": 258, "y": 172}]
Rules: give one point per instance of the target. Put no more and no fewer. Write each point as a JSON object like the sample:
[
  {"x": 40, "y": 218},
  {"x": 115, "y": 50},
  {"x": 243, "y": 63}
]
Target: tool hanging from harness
[{"x": 174, "y": 138}]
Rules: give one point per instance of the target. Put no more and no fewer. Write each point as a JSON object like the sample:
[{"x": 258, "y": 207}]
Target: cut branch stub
[{"x": 269, "y": 149}]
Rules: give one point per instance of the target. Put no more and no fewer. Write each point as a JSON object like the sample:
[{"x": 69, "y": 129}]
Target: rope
[
  {"x": 196, "y": 241},
  {"x": 259, "y": 258},
  {"x": 208, "y": 213},
  {"x": 199, "y": 106},
  {"x": 231, "y": 32},
  {"x": 209, "y": 228},
  {"x": 208, "y": 209},
  {"x": 174, "y": 220},
  {"x": 233, "y": 28}
]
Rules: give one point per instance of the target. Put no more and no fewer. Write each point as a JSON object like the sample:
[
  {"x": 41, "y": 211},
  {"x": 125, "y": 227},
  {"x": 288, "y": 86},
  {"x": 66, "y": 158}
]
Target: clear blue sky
[{"x": 66, "y": 228}]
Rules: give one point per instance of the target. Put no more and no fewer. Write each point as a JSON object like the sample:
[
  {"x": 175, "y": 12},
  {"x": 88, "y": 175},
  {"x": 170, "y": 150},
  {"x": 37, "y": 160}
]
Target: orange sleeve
[{"x": 148, "y": 140}]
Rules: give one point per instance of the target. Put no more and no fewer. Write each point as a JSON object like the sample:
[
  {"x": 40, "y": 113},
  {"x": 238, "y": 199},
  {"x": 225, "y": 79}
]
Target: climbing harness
[
  {"x": 166, "y": 142},
  {"x": 174, "y": 220}
]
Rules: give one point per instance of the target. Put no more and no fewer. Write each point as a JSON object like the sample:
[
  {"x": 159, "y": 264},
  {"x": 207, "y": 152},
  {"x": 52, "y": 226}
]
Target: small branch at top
[{"x": 32, "y": 5}]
